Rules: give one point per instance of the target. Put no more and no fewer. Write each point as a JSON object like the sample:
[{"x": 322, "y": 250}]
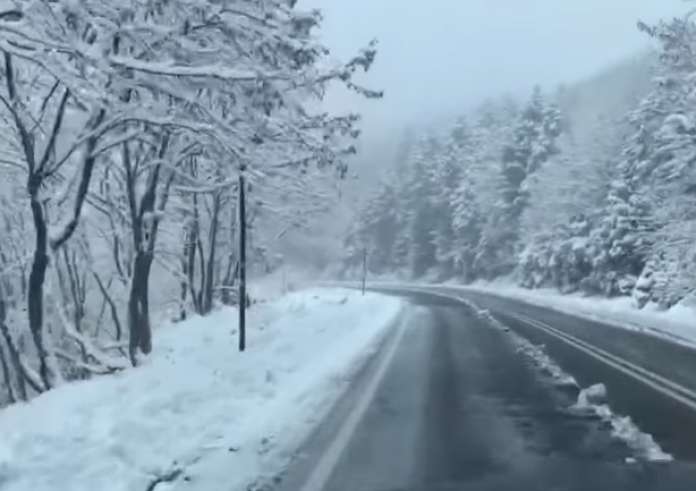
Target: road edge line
[{"x": 322, "y": 471}]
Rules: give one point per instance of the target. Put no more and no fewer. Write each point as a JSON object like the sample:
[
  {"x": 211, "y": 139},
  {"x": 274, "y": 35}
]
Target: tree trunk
[
  {"x": 229, "y": 281},
  {"x": 232, "y": 263},
  {"x": 40, "y": 258},
  {"x": 14, "y": 353},
  {"x": 201, "y": 260},
  {"x": 37, "y": 276},
  {"x": 38, "y": 169},
  {"x": 112, "y": 306},
  {"x": 193, "y": 249},
  {"x": 7, "y": 376},
  {"x": 210, "y": 267},
  {"x": 144, "y": 242},
  {"x": 190, "y": 265},
  {"x": 73, "y": 300},
  {"x": 184, "y": 284},
  {"x": 138, "y": 307}
]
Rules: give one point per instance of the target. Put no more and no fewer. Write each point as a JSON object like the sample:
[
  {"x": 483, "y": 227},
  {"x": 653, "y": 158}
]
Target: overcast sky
[{"x": 438, "y": 56}]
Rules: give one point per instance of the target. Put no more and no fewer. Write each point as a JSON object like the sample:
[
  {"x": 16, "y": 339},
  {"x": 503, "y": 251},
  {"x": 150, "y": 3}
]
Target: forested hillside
[{"x": 585, "y": 188}]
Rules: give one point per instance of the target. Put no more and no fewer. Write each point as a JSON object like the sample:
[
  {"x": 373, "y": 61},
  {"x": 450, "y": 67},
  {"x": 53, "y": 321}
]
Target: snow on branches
[{"x": 117, "y": 112}]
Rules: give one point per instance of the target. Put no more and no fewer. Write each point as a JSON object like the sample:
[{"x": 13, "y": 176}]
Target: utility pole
[
  {"x": 364, "y": 272},
  {"x": 242, "y": 261}
]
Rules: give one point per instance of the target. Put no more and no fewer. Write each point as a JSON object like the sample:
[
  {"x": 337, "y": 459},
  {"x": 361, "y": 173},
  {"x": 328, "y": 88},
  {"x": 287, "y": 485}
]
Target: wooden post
[
  {"x": 242, "y": 263},
  {"x": 364, "y": 275}
]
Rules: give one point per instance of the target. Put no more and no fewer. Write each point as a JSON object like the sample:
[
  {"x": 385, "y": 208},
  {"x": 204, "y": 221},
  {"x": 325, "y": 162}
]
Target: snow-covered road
[{"x": 198, "y": 413}]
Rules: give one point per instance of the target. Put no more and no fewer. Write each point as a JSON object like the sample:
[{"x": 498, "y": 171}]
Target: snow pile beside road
[
  {"x": 675, "y": 324},
  {"x": 198, "y": 413},
  {"x": 593, "y": 399},
  {"x": 544, "y": 363},
  {"x": 535, "y": 353}
]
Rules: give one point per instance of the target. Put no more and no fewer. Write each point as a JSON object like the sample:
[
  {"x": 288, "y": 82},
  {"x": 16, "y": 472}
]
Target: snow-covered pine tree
[
  {"x": 533, "y": 143},
  {"x": 624, "y": 237},
  {"x": 621, "y": 240},
  {"x": 448, "y": 170},
  {"x": 375, "y": 231},
  {"x": 568, "y": 197},
  {"x": 492, "y": 128},
  {"x": 661, "y": 158},
  {"x": 400, "y": 178},
  {"x": 467, "y": 223},
  {"x": 418, "y": 192}
]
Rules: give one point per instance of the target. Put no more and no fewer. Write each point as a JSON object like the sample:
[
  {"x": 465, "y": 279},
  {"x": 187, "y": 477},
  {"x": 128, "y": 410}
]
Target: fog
[{"x": 438, "y": 58}]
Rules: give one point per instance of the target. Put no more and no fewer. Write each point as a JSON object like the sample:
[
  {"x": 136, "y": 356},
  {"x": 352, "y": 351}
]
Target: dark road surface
[{"x": 460, "y": 408}]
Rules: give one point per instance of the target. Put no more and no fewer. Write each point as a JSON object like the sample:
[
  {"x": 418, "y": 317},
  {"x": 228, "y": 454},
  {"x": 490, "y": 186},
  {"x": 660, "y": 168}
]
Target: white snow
[
  {"x": 676, "y": 324},
  {"x": 283, "y": 280},
  {"x": 544, "y": 363},
  {"x": 594, "y": 394},
  {"x": 197, "y": 408},
  {"x": 622, "y": 427},
  {"x": 535, "y": 353}
]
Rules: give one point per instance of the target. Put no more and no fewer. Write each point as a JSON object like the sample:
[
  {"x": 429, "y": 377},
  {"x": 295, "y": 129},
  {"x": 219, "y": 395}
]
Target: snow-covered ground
[
  {"x": 676, "y": 324},
  {"x": 198, "y": 413}
]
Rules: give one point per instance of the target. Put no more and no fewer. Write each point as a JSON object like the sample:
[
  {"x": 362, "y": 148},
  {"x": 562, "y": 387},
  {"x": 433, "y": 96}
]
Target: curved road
[{"x": 457, "y": 406}]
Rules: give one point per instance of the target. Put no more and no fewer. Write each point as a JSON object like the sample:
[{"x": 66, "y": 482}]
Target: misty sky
[{"x": 439, "y": 57}]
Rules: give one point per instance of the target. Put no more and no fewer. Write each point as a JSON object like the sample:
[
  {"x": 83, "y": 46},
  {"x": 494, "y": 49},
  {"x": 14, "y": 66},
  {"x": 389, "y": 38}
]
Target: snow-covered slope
[{"x": 198, "y": 413}]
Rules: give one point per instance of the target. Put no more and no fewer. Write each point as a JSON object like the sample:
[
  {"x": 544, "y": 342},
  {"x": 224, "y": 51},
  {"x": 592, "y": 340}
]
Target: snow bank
[
  {"x": 622, "y": 427},
  {"x": 533, "y": 352},
  {"x": 675, "y": 324},
  {"x": 198, "y": 412},
  {"x": 544, "y": 363}
]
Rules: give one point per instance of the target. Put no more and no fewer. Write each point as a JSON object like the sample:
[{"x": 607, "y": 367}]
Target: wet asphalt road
[
  {"x": 459, "y": 408},
  {"x": 671, "y": 423}
]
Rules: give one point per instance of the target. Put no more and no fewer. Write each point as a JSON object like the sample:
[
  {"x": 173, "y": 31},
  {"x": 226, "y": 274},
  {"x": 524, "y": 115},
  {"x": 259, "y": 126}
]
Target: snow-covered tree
[
  {"x": 660, "y": 165},
  {"x": 533, "y": 143},
  {"x": 447, "y": 174},
  {"x": 419, "y": 191},
  {"x": 105, "y": 109},
  {"x": 467, "y": 224},
  {"x": 557, "y": 258}
]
